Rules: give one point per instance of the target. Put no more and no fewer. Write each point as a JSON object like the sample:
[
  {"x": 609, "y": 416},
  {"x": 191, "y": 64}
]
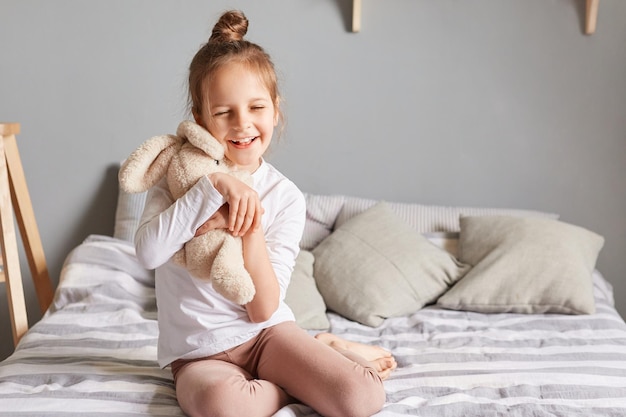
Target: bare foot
[
  {"x": 384, "y": 366},
  {"x": 379, "y": 358}
]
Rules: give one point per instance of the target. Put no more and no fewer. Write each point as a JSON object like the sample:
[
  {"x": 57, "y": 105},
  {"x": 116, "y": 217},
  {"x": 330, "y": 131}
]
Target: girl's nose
[{"x": 242, "y": 122}]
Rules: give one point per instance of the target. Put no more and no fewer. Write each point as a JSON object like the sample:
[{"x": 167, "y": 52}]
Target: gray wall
[{"x": 502, "y": 103}]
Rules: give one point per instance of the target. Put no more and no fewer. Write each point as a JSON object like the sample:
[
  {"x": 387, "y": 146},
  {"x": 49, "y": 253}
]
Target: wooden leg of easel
[
  {"x": 14, "y": 195},
  {"x": 11, "y": 264},
  {"x": 27, "y": 224}
]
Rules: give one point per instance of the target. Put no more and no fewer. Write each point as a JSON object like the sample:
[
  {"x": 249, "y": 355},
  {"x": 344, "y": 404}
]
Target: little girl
[{"x": 251, "y": 360}]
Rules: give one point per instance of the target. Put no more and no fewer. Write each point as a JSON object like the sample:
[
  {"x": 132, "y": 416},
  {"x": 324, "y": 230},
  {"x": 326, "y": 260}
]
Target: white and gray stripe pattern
[{"x": 94, "y": 354}]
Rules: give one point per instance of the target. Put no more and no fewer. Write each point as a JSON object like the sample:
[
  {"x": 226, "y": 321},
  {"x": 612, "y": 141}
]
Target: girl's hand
[
  {"x": 244, "y": 205},
  {"x": 218, "y": 221}
]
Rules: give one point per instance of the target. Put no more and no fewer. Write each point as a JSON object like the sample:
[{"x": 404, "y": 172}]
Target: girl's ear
[
  {"x": 276, "y": 111},
  {"x": 197, "y": 118}
]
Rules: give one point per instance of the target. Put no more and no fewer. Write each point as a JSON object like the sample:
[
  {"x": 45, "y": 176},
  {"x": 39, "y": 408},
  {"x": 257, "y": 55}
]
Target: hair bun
[{"x": 231, "y": 27}]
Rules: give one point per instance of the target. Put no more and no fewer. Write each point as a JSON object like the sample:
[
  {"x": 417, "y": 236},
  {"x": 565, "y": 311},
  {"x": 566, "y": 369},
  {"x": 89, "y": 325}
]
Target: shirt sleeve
[
  {"x": 283, "y": 236},
  {"x": 166, "y": 224}
]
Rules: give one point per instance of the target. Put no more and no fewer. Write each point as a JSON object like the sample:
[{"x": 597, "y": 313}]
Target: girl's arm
[
  {"x": 242, "y": 217},
  {"x": 257, "y": 262},
  {"x": 166, "y": 224},
  {"x": 245, "y": 209},
  {"x": 269, "y": 252}
]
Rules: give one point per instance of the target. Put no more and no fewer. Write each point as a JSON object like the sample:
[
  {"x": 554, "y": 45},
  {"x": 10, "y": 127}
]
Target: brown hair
[{"x": 227, "y": 45}]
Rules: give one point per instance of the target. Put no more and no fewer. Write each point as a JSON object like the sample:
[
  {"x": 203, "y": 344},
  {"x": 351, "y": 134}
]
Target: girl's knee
[
  {"x": 216, "y": 400},
  {"x": 234, "y": 397},
  {"x": 361, "y": 400},
  {"x": 363, "y": 406}
]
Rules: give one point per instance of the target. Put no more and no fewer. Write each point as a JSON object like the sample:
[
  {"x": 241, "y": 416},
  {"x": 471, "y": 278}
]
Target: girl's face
[{"x": 241, "y": 115}]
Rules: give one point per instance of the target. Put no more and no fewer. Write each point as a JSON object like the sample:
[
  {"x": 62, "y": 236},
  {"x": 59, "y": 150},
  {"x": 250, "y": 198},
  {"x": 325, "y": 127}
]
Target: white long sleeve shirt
[{"x": 194, "y": 320}]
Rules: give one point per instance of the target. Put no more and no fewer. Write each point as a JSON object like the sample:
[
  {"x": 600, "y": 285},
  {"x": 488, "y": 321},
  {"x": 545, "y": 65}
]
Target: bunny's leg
[
  {"x": 200, "y": 253},
  {"x": 229, "y": 275}
]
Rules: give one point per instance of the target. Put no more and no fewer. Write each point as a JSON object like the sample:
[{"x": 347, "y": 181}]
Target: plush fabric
[
  {"x": 524, "y": 265},
  {"x": 376, "y": 266},
  {"x": 183, "y": 159},
  {"x": 303, "y": 297}
]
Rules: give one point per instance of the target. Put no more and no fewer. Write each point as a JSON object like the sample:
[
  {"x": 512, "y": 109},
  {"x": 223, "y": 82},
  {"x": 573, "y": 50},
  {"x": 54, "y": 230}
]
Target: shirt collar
[{"x": 260, "y": 171}]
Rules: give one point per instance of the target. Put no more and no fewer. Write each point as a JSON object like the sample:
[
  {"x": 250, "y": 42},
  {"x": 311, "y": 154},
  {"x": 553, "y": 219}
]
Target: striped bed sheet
[{"x": 94, "y": 353}]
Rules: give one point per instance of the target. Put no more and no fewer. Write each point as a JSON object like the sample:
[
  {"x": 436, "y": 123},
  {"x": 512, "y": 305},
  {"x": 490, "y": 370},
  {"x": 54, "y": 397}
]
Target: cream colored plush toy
[{"x": 183, "y": 159}]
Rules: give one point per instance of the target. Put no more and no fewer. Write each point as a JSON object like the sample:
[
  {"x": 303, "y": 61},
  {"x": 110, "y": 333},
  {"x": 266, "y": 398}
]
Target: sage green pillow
[
  {"x": 303, "y": 296},
  {"x": 525, "y": 265},
  {"x": 376, "y": 266}
]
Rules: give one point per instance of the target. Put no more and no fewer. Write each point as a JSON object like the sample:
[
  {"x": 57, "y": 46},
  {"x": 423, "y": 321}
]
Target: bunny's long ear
[
  {"x": 148, "y": 163},
  {"x": 201, "y": 139}
]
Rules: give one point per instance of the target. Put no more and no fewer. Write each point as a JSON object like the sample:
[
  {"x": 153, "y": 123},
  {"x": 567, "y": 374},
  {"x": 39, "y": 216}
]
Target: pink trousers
[{"x": 282, "y": 365}]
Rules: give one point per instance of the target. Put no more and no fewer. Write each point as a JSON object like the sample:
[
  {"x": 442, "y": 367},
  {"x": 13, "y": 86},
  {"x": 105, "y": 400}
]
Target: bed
[{"x": 557, "y": 351}]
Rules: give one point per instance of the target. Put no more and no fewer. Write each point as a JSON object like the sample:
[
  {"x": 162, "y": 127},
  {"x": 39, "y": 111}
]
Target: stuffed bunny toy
[{"x": 183, "y": 159}]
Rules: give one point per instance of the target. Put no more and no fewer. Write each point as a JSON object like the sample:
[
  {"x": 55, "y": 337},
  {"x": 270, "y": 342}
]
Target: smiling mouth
[{"x": 243, "y": 141}]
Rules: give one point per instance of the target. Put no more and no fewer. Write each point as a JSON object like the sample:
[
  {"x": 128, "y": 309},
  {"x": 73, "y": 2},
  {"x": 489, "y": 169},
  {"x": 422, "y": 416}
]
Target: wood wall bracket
[
  {"x": 356, "y": 16},
  {"x": 591, "y": 16}
]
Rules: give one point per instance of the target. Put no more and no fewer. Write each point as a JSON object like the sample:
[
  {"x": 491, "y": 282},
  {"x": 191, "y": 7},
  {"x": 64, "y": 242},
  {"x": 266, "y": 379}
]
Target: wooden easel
[{"x": 14, "y": 195}]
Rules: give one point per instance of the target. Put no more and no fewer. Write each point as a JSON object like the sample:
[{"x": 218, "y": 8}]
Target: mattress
[{"x": 94, "y": 353}]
